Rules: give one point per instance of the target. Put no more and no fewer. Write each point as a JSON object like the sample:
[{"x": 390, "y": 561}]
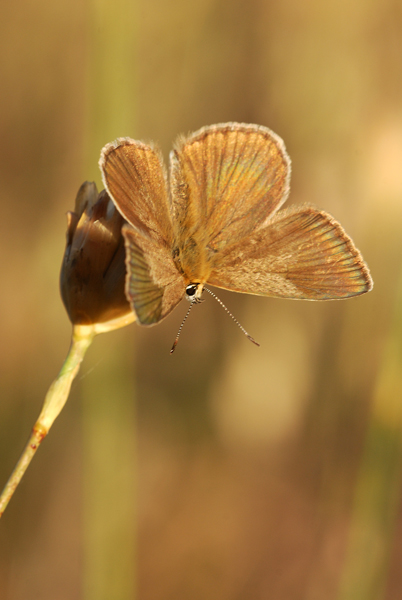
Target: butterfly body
[
  {"x": 217, "y": 221},
  {"x": 193, "y": 259}
]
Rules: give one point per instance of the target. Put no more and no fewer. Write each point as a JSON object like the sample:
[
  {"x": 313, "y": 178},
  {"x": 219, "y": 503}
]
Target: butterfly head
[{"x": 194, "y": 291}]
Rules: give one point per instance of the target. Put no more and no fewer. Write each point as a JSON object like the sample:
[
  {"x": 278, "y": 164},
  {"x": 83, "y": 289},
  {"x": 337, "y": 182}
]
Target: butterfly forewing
[
  {"x": 226, "y": 180},
  {"x": 302, "y": 253},
  {"x": 134, "y": 175}
]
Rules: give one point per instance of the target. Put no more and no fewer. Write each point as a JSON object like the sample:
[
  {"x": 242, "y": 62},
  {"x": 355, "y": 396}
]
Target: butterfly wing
[
  {"x": 153, "y": 285},
  {"x": 226, "y": 180},
  {"x": 301, "y": 253},
  {"x": 134, "y": 176}
]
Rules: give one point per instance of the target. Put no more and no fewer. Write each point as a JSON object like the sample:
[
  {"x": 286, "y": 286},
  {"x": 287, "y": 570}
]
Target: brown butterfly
[{"x": 217, "y": 221}]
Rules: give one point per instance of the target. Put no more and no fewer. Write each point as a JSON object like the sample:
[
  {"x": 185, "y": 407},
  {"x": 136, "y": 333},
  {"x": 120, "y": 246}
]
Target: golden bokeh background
[{"x": 224, "y": 471}]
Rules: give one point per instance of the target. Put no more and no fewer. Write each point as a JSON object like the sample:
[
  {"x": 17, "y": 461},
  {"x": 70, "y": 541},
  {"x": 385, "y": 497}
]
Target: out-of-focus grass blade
[
  {"x": 379, "y": 481},
  {"x": 108, "y": 390}
]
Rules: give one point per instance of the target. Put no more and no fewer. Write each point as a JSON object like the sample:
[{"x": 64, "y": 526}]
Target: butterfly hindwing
[
  {"x": 301, "y": 253},
  {"x": 153, "y": 284}
]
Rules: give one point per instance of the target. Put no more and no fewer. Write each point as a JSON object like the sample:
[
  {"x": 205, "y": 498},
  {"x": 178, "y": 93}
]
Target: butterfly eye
[
  {"x": 193, "y": 292},
  {"x": 191, "y": 289}
]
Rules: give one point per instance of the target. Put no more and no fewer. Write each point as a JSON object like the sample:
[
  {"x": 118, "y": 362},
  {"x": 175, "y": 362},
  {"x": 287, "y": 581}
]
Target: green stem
[{"x": 53, "y": 404}]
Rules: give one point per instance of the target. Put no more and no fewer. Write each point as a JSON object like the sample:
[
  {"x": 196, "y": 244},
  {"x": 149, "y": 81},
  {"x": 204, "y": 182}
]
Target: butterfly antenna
[
  {"x": 181, "y": 327},
  {"x": 229, "y": 313}
]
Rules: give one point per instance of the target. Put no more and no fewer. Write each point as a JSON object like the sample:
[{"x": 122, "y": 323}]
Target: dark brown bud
[{"x": 93, "y": 273}]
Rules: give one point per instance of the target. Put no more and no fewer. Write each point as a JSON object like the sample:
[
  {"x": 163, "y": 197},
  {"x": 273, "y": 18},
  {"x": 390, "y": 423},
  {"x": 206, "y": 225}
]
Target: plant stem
[{"x": 53, "y": 404}]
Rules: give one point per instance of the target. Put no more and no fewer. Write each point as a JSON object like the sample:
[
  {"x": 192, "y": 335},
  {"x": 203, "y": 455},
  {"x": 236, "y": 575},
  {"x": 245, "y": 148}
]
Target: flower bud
[{"x": 93, "y": 272}]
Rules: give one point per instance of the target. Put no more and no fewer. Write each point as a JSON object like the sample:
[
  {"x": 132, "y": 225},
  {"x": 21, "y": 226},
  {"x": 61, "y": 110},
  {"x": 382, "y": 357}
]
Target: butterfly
[{"x": 216, "y": 220}]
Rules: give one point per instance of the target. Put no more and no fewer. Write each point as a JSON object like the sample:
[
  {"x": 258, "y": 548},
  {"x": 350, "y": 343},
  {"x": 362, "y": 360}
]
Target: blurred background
[{"x": 224, "y": 471}]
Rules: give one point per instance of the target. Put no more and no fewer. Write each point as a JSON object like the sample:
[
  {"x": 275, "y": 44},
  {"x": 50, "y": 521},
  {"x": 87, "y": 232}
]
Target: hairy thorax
[{"x": 193, "y": 259}]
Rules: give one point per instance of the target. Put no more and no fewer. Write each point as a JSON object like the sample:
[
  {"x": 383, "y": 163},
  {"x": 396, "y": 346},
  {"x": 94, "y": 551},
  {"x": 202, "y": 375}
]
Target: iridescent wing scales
[{"x": 226, "y": 180}]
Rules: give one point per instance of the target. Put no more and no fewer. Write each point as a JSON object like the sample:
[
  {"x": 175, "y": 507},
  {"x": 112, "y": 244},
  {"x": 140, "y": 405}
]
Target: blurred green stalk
[
  {"x": 378, "y": 487},
  {"x": 109, "y": 467},
  {"x": 111, "y": 77},
  {"x": 109, "y": 470}
]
